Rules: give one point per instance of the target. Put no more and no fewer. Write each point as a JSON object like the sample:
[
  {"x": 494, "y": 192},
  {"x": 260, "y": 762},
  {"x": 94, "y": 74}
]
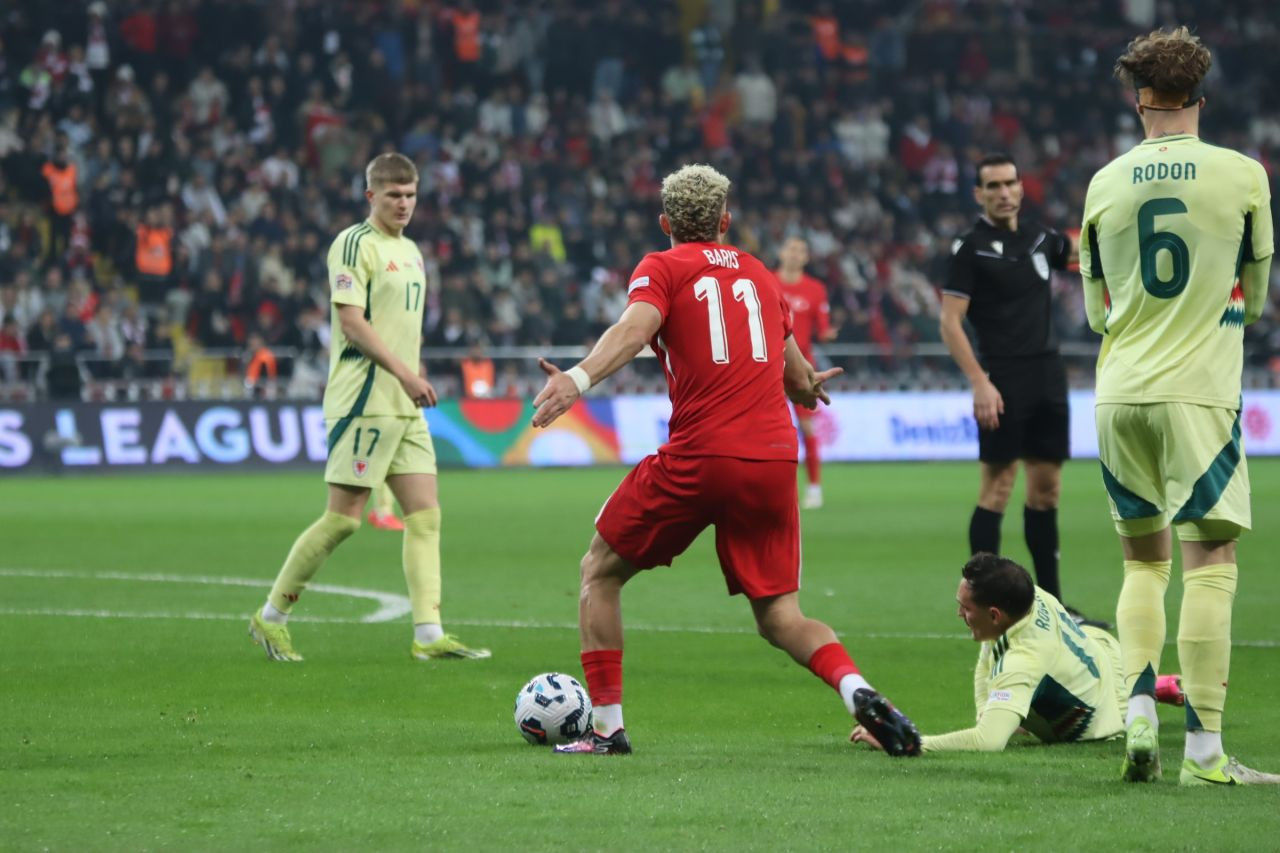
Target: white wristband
[{"x": 580, "y": 378}]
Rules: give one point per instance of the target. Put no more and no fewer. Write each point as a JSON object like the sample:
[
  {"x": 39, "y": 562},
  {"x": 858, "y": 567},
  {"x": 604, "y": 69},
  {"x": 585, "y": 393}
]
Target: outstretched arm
[
  {"x": 620, "y": 343},
  {"x": 803, "y": 384},
  {"x": 991, "y": 734}
]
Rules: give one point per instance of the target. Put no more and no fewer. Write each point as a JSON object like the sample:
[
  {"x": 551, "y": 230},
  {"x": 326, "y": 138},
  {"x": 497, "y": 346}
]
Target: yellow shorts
[
  {"x": 1174, "y": 463},
  {"x": 364, "y": 451}
]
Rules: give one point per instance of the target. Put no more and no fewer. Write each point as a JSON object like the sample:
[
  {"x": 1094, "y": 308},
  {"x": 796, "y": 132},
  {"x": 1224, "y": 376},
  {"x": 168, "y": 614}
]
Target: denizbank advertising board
[{"x": 212, "y": 435}]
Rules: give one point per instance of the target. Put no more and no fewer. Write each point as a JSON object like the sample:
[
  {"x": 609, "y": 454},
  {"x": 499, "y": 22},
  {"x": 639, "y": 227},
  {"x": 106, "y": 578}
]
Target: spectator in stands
[
  {"x": 261, "y": 368},
  {"x": 64, "y": 200},
  {"x": 153, "y": 256},
  {"x": 478, "y": 373},
  {"x": 212, "y": 313},
  {"x": 105, "y": 341},
  {"x": 256, "y": 123},
  {"x": 40, "y": 336},
  {"x": 63, "y": 379},
  {"x": 13, "y": 346}
]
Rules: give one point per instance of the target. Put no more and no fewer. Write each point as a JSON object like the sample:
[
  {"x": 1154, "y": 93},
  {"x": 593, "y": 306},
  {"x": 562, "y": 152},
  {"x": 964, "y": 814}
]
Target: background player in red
[
  {"x": 716, "y": 318},
  {"x": 810, "y": 321}
]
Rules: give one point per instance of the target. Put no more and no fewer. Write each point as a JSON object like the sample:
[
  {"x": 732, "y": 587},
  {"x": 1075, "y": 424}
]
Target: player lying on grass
[
  {"x": 1037, "y": 669},
  {"x": 718, "y": 320}
]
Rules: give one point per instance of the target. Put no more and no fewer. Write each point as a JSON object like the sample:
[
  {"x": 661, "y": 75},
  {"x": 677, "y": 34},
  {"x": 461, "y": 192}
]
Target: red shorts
[
  {"x": 666, "y": 501},
  {"x": 803, "y": 414}
]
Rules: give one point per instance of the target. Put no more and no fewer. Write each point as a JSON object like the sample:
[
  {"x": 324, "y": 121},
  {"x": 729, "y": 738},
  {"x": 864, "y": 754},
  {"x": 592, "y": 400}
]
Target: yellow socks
[
  {"x": 422, "y": 564},
  {"x": 1140, "y": 618},
  {"x": 309, "y": 552},
  {"x": 1204, "y": 642}
]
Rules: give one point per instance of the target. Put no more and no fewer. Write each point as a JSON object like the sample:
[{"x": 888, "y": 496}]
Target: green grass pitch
[{"x": 136, "y": 714}]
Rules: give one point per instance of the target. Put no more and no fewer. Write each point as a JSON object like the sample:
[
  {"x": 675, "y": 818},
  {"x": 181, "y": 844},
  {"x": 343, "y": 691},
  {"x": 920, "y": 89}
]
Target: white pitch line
[
  {"x": 194, "y": 615},
  {"x": 497, "y": 623},
  {"x": 392, "y": 607}
]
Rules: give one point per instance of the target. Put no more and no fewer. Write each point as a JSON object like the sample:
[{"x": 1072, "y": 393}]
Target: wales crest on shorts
[{"x": 359, "y": 466}]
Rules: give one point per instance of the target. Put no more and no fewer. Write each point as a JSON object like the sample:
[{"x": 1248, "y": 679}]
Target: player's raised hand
[
  {"x": 988, "y": 405},
  {"x": 556, "y": 397},
  {"x": 812, "y": 393},
  {"x": 419, "y": 390},
  {"x": 821, "y": 377}
]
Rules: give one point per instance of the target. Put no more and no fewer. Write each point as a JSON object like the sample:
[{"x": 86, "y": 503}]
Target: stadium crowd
[{"x": 171, "y": 173}]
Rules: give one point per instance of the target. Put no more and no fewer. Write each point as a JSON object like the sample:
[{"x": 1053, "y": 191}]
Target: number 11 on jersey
[{"x": 707, "y": 289}]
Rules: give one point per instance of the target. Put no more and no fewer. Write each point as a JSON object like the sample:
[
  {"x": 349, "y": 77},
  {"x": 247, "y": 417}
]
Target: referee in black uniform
[{"x": 999, "y": 279}]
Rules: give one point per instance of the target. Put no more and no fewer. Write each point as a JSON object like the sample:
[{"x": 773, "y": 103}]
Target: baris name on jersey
[{"x": 722, "y": 258}]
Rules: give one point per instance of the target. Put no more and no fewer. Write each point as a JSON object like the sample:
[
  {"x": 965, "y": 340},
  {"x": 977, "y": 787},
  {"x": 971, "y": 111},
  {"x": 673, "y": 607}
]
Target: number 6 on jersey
[{"x": 707, "y": 289}]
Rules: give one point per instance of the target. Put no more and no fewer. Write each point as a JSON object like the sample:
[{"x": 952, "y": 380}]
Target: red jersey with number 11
[{"x": 724, "y": 326}]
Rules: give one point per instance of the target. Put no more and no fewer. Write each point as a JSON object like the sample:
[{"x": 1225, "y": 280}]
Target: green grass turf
[{"x": 171, "y": 732}]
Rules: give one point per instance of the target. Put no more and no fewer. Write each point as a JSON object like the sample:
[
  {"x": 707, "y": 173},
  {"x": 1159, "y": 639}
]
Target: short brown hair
[
  {"x": 999, "y": 582},
  {"x": 390, "y": 168},
  {"x": 1171, "y": 62},
  {"x": 693, "y": 199}
]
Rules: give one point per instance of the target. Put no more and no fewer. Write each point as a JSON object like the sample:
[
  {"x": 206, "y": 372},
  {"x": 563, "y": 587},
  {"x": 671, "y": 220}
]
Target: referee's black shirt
[{"x": 1005, "y": 277}]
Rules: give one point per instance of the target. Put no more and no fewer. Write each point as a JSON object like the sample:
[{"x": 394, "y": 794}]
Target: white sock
[
  {"x": 1142, "y": 706},
  {"x": 427, "y": 632},
  {"x": 1204, "y": 747},
  {"x": 851, "y": 682},
  {"x": 275, "y": 617},
  {"x": 606, "y": 719}
]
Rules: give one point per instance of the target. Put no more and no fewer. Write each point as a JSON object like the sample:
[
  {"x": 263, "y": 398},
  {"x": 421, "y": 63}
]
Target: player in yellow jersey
[
  {"x": 1176, "y": 253},
  {"x": 373, "y": 412},
  {"x": 1037, "y": 669}
]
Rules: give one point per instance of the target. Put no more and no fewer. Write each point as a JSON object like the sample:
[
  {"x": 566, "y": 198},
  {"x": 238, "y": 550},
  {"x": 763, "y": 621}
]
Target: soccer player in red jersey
[
  {"x": 716, "y": 318},
  {"x": 810, "y": 320}
]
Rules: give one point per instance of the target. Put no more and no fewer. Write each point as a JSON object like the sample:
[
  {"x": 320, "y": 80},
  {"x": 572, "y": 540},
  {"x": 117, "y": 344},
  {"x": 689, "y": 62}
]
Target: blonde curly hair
[
  {"x": 1171, "y": 62},
  {"x": 693, "y": 197}
]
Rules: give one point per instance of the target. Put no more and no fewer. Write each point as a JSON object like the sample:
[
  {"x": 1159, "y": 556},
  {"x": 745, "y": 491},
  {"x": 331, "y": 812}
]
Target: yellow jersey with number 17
[
  {"x": 384, "y": 276},
  {"x": 1167, "y": 227}
]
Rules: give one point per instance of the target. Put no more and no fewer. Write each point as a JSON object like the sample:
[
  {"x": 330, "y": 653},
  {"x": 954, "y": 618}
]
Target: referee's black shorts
[{"x": 1036, "y": 423}]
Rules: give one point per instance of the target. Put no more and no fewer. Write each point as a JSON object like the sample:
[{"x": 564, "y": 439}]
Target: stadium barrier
[{"x": 600, "y": 430}]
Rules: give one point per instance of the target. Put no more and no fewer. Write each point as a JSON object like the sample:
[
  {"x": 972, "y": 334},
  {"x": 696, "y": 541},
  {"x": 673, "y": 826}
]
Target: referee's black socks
[
  {"x": 1041, "y": 529},
  {"x": 984, "y": 531}
]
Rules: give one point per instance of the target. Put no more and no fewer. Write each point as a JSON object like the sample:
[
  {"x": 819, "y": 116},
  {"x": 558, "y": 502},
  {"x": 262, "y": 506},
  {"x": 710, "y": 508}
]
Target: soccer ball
[{"x": 553, "y": 708}]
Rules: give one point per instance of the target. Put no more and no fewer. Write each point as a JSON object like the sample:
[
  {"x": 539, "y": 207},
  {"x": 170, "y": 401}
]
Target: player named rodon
[
  {"x": 1176, "y": 255},
  {"x": 717, "y": 320}
]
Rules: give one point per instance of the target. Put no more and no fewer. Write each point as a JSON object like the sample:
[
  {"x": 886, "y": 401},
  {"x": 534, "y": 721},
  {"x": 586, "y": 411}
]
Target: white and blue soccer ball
[{"x": 553, "y": 708}]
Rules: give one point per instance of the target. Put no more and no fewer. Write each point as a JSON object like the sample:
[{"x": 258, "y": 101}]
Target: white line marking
[
  {"x": 196, "y": 615},
  {"x": 392, "y": 607}
]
